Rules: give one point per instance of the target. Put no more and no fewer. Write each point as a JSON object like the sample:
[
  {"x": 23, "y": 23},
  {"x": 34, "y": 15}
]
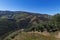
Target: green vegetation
[{"x": 11, "y": 21}]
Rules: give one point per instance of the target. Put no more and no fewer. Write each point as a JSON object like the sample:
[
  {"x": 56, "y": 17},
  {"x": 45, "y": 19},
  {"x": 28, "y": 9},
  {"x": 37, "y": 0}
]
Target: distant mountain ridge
[{"x": 21, "y": 12}]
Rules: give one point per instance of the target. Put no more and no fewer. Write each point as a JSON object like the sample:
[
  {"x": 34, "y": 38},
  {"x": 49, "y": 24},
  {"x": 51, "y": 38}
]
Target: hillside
[
  {"x": 11, "y": 21},
  {"x": 29, "y": 36}
]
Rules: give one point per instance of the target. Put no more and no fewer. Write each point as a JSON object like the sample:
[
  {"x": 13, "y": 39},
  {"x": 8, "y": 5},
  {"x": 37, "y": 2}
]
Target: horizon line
[{"x": 30, "y": 12}]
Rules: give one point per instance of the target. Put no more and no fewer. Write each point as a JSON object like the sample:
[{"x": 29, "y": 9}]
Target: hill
[
  {"x": 29, "y": 36},
  {"x": 11, "y": 21}
]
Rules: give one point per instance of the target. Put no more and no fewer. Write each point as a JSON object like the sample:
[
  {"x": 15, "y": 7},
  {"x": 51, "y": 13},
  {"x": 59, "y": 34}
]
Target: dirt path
[
  {"x": 42, "y": 33},
  {"x": 12, "y": 34}
]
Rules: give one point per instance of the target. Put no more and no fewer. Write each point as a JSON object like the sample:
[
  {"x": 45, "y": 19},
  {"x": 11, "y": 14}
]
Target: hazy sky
[{"x": 40, "y": 6}]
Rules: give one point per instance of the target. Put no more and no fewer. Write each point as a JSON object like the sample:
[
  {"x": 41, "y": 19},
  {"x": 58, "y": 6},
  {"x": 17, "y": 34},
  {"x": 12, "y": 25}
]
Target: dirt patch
[{"x": 45, "y": 33}]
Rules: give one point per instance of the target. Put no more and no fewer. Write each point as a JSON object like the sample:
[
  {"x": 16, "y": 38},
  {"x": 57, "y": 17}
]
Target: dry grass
[{"x": 32, "y": 36}]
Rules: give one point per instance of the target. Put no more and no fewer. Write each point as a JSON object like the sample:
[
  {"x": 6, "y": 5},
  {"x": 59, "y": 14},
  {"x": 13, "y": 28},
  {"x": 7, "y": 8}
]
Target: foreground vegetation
[{"x": 30, "y": 36}]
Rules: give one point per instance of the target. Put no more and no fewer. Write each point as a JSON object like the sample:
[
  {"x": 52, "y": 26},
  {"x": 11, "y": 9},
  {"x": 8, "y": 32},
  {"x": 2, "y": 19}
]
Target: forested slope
[{"x": 15, "y": 20}]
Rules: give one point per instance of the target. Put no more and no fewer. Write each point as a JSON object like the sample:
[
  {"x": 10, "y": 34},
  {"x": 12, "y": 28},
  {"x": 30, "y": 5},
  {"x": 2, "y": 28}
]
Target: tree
[{"x": 57, "y": 20}]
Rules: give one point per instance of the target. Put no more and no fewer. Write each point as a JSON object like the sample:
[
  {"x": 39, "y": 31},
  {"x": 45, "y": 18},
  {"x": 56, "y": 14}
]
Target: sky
[{"x": 37, "y": 6}]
